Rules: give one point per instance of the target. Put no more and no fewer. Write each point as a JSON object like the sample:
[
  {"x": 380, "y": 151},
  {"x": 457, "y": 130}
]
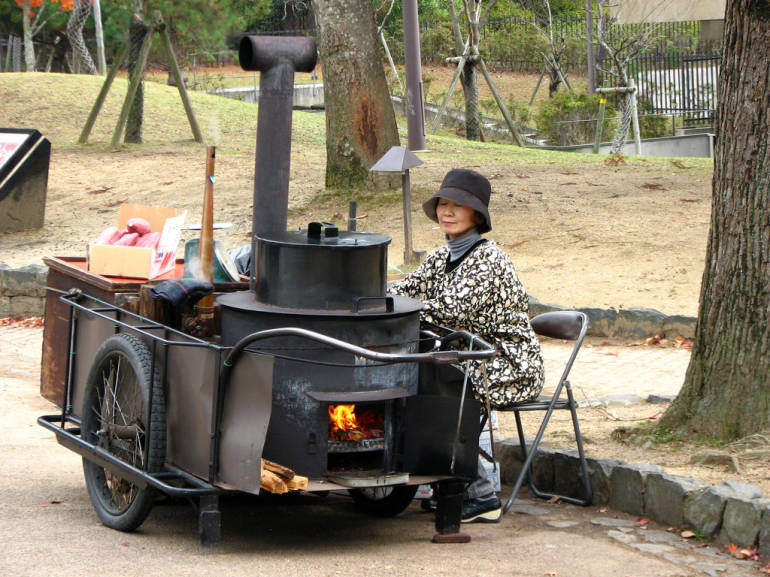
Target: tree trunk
[
  {"x": 29, "y": 46},
  {"x": 360, "y": 121},
  {"x": 471, "y": 93},
  {"x": 137, "y": 31},
  {"x": 725, "y": 394}
]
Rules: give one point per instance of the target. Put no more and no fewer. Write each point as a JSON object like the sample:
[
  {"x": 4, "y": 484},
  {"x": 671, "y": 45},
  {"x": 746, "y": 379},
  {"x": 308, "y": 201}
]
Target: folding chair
[{"x": 563, "y": 325}]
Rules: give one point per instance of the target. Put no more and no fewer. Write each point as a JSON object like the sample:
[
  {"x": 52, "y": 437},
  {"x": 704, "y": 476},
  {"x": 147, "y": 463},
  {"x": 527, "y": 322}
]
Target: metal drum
[{"x": 332, "y": 283}]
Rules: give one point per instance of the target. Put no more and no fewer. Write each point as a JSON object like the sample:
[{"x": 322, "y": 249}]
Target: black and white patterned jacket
[{"x": 482, "y": 294}]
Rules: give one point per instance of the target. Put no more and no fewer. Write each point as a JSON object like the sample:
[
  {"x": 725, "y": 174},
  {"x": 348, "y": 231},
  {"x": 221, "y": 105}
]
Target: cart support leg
[
  {"x": 449, "y": 512},
  {"x": 209, "y": 520}
]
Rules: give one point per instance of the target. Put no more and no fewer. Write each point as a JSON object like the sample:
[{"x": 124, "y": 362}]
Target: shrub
[{"x": 559, "y": 119}]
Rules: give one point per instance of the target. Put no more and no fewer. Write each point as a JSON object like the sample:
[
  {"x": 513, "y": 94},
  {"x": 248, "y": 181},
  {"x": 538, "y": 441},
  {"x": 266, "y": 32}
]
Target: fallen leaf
[
  {"x": 124, "y": 543},
  {"x": 687, "y": 534},
  {"x": 653, "y": 186},
  {"x": 29, "y": 322},
  {"x": 744, "y": 554},
  {"x": 56, "y": 502},
  {"x": 615, "y": 160},
  {"x": 603, "y": 510},
  {"x": 99, "y": 190},
  {"x": 678, "y": 164},
  {"x": 554, "y": 499},
  {"x": 551, "y": 573}
]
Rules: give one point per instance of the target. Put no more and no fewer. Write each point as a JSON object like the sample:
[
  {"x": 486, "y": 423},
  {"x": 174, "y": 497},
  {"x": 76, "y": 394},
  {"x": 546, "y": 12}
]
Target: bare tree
[
  {"x": 725, "y": 394},
  {"x": 619, "y": 49},
  {"x": 469, "y": 59},
  {"x": 543, "y": 23},
  {"x": 31, "y": 26}
]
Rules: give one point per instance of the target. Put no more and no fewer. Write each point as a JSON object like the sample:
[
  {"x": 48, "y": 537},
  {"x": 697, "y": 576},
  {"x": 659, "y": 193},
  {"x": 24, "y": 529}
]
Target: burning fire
[{"x": 345, "y": 425}]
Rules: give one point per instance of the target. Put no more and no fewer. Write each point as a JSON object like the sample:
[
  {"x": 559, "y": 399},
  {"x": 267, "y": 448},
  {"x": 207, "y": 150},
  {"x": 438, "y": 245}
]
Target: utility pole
[
  {"x": 590, "y": 47},
  {"x": 415, "y": 114}
]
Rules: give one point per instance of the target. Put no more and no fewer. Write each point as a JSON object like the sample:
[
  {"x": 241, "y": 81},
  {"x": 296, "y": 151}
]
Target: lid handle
[{"x": 315, "y": 228}]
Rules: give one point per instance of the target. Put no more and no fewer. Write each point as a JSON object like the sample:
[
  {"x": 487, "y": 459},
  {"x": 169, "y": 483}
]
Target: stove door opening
[{"x": 360, "y": 439}]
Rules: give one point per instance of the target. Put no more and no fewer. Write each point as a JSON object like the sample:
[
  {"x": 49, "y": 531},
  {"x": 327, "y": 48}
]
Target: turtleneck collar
[{"x": 462, "y": 244}]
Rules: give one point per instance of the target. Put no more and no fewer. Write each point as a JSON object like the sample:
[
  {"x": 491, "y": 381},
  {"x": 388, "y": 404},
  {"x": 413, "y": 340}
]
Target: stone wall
[
  {"x": 22, "y": 293},
  {"x": 22, "y": 290}
]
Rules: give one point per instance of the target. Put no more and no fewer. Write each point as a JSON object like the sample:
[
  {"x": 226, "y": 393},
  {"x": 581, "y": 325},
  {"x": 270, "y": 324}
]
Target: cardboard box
[{"x": 140, "y": 262}]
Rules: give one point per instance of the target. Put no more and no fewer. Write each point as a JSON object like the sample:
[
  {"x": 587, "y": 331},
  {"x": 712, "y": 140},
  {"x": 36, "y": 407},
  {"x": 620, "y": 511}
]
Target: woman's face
[{"x": 456, "y": 219}]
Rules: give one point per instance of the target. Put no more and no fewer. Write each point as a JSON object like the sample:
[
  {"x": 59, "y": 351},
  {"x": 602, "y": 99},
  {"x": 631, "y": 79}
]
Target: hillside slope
[{"x": 581, "y": 232}]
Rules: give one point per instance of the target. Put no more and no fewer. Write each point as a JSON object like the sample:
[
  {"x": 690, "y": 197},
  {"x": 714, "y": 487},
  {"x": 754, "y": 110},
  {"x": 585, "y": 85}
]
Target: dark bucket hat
[{"x": 466, "y": 187}]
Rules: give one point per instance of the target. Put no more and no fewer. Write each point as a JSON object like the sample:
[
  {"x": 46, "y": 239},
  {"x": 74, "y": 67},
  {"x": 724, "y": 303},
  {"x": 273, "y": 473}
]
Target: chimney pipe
[{"x": 276, "y": 58}]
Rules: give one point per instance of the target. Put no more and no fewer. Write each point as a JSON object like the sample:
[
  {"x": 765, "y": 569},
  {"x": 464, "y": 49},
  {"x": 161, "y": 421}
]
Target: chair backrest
[{"x": 567, "y": 325}]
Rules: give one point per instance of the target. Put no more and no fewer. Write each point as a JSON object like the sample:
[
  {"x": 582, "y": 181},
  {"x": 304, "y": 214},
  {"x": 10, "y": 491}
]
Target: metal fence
[{"x": 683, "y": 85}]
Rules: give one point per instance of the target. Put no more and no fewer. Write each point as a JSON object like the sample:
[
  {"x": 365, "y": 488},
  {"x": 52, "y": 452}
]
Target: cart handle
[{"x": 484, "y": 350}]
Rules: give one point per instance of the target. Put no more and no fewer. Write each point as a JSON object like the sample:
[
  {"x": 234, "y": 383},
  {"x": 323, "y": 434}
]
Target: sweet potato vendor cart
[{"x": 312, "y": 337}]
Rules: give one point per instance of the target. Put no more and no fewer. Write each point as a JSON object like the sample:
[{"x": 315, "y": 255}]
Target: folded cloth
[{"x": 179, "y": 291}]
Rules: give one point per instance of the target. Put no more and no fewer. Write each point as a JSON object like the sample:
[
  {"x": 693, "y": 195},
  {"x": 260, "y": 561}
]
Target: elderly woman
[{"x": 470, "y": 284}]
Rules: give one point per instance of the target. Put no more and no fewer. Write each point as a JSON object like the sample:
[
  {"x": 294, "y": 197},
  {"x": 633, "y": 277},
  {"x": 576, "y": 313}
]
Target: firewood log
[
  {"x": 283, "y": 472},
  {"x": 298, "y": 483},
  {"x": 272, "y": 482}
]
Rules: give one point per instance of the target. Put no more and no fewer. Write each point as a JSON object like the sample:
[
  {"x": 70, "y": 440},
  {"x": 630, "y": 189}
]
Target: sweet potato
[
  {"x": 150, "y": 240},
  {"x": 127, "y": 239},
  {"x": 138, "y": 225},
  {"x": 110, "y": 235}
]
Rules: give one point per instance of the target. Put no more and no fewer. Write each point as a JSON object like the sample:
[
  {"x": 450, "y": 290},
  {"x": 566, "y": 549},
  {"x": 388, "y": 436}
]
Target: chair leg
[
  {"x": 525, "y": 467},
  {"x": 581, "y": 453},
  {"x": 529, "y": 455}
]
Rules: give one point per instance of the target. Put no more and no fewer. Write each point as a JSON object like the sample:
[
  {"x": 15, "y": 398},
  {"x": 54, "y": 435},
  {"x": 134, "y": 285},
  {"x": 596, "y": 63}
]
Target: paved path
[{"x": 48, "y": 525}]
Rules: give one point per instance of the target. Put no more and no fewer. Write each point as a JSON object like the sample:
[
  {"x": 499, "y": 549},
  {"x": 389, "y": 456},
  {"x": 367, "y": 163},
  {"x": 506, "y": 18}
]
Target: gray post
[
  {"x": 352, "y": 215},
  {"x": 635, "y": 119},
  {"x": 408, "y": 252},
  {"x": 599, "y": 124},
  {"x": 590, "y": 48},
  {"x": 99, "y": 33},
  {"x": 415, "y": 115}
]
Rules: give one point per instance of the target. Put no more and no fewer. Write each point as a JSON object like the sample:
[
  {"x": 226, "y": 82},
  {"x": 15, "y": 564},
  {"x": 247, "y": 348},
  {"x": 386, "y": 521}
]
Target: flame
[
  {"x": 342, "y": 418},
  {"x": 345, "y": 425}
]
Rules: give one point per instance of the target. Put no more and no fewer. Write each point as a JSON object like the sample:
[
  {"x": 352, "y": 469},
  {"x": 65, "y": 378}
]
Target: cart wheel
[
  {"x": 383, "y": 501},
  {"x": 115, "y": 418}
]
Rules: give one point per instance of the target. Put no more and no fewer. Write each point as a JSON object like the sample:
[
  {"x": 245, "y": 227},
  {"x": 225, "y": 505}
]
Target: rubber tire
[
  {"x": 126, "y": 348},
  {"x": 380, "y": 502}
]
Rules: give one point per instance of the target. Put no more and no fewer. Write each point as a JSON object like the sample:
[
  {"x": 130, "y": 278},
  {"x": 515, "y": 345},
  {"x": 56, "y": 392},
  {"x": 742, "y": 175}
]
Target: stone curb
[
  {"x": 731, "y": 512},
  {"x": 22, "y": 293}
]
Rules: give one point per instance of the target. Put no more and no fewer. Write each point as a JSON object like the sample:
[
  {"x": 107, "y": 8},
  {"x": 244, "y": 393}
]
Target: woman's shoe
[{"x": 486, "y": 510}]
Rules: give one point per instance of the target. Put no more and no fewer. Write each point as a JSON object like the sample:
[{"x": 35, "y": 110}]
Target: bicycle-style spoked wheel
[{"x": 116, "y": 419}]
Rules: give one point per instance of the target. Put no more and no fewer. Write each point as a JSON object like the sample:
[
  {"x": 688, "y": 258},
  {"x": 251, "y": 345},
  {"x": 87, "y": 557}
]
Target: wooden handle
[{"x": 206, "y": 246}]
